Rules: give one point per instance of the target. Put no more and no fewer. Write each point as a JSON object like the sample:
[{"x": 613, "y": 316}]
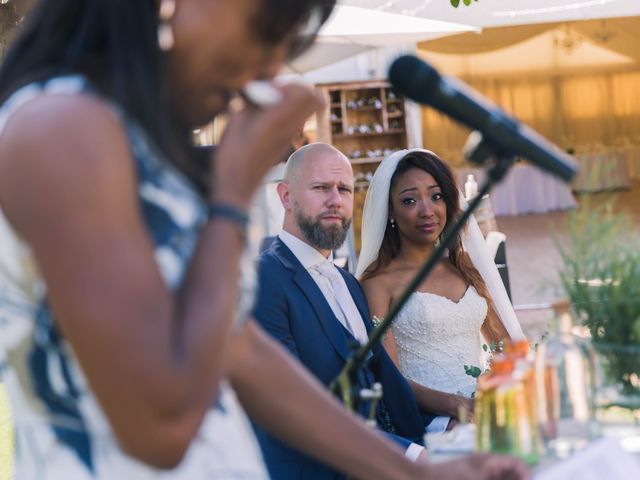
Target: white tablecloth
[
  {"x": 604, "y": 170},
  {"x": 631, "y": 155},
  {"x": 526, "y": 189}
]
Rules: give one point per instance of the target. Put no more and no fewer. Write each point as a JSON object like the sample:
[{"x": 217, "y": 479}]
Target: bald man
[{"x": 316, "y": 309}]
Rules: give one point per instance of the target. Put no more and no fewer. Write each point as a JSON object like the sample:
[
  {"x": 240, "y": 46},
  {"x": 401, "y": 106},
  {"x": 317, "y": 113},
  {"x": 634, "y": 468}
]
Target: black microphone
[{"x": 420, "y": 82}]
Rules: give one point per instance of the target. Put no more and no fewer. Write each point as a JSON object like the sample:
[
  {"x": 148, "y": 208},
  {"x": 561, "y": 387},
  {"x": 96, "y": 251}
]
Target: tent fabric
[
  {"x": 619, "y": 35},
  {"x": 575, "y": 83},
  {"x": 584, "y": 111},
  {"x": 491, "y": 39},
  {"x": 501, "y": 13},
  {"x": 351, "y": 30},
  {"x": 558, "y": 50}
]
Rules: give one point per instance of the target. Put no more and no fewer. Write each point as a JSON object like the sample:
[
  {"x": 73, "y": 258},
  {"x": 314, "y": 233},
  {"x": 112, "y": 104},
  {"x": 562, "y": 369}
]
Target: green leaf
[
  {"x": 456, "y": 3},
  {"x": 472, "y": 371},
  {"x": 600, "y": 274}
]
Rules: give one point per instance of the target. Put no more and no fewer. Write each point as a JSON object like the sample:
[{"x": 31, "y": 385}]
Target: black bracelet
[{"x": 232, "y": 213}]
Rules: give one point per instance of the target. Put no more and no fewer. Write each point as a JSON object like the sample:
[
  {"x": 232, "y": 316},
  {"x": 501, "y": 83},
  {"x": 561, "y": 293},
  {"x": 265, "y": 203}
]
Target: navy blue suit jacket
[{"x": 291, "y": 307}]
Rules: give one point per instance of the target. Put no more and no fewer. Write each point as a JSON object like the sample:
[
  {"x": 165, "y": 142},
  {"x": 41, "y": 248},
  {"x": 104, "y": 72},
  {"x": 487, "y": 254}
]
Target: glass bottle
[
  {"x": 524, "y": 360},
  {"x": 564, "y": 387},
  {"x": 503, "y": 423},
  {"x": 470, "y": 187}
]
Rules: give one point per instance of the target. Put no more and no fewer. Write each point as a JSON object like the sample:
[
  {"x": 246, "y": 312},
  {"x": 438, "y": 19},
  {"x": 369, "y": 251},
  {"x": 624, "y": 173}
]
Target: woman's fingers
[{"x": 257, "y": 138}]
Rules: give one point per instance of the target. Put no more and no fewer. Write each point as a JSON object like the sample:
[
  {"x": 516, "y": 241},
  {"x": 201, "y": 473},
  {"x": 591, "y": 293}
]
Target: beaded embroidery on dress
[{"x": 436, "y": 337}]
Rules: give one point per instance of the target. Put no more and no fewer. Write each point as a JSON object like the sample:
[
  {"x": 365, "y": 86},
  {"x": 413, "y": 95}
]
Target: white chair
[{"x": 496, "y": 244}]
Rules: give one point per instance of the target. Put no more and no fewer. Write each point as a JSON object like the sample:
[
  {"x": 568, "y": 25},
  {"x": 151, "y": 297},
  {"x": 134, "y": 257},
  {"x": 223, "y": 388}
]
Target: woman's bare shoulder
[
  {"x": 378, "y": 293},
  {"x": 65, "y": 148},
  {"x": 384, "y": 282},
  {"x": 54, "y": 121}
]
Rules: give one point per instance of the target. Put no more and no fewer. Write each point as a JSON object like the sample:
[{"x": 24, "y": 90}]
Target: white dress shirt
[{"x": 331, "y": 284}]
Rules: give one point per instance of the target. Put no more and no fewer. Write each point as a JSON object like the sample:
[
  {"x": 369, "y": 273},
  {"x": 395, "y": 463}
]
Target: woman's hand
[
  {"x": 255, "y": 140},
  {"x": 479, "y": 467}
]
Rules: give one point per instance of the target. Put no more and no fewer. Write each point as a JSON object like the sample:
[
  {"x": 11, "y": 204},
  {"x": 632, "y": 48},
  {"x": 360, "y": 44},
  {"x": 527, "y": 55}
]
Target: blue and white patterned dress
[{"x": 61, "y": 430}]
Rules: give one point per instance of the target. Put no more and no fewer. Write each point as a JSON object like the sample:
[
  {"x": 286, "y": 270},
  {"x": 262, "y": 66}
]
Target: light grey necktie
[{"x": 352, "y": 319}]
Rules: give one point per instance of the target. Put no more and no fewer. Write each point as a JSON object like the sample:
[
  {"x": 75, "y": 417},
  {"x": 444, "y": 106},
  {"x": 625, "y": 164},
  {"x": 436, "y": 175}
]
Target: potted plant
[{"x": 600, "y": 274}]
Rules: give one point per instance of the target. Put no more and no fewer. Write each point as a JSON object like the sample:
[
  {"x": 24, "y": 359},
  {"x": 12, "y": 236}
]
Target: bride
[{"x": 411, "y": 198}]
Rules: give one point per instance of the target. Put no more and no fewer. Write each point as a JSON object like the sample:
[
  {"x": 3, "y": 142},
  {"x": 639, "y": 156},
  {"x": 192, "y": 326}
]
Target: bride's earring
[
  {"x": 392, "y": 222},
  {"x": 165, "y": 31}
]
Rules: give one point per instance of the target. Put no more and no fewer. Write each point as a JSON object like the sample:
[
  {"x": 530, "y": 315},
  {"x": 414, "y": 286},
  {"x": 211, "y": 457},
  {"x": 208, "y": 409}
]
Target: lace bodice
[{"x": 437, "y": 337}]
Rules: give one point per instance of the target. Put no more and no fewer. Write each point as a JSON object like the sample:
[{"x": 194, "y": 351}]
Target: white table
[
  {"x": 525, "y": 189},
  {"x": 602, "y": 170},
  {"x": 631, "y": 155}
]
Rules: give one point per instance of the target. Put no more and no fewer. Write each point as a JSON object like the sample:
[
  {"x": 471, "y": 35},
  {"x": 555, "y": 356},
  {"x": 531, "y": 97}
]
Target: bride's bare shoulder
[
  {"x": 384, "y": 281},
  {"x": 376, "y": 281},
  {"x": 379, "y": 293}
]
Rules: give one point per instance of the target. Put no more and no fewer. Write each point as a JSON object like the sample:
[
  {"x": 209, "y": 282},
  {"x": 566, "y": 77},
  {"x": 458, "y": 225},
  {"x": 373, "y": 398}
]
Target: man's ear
[{"x": 284, "y": 194}]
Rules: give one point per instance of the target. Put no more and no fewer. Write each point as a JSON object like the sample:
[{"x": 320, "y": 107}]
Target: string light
[
  {"x": 557, "y": 8},
  {"x": 386, "y": 5},
  {"x": 415, "y": 10}
]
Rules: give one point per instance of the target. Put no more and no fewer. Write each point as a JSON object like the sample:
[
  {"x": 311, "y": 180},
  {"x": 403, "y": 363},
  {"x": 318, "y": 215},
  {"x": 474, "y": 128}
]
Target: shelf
[
  {"x": 390, "y": 115},
  {"x": 342, "y": 136},
  {"x": 363, "y": 160},
  {"x": 364, "y": 109}
]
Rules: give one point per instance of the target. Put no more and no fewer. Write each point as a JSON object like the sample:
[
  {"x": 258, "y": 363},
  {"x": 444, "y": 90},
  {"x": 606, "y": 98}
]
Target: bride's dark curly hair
[{"x": 442, "y": 174}]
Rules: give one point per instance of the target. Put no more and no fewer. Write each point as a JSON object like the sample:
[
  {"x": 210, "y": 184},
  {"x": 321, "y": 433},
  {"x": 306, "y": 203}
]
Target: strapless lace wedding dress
[{"x": 436, "y": 337}]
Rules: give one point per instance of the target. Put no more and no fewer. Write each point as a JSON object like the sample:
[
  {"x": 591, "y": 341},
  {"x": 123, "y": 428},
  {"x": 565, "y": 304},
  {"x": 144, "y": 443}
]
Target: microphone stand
[{"x": 479, "y": 150}]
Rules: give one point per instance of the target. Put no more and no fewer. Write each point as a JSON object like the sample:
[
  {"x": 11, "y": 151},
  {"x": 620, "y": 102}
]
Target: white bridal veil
[{"x": 374, "y": 222}]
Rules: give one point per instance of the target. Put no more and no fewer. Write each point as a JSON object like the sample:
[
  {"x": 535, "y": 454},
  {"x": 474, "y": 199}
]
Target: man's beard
[{"x": 324, "y": 238}]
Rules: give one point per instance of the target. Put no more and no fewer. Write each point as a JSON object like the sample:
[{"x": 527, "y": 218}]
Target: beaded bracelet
[{"x": 231, "y": 213}]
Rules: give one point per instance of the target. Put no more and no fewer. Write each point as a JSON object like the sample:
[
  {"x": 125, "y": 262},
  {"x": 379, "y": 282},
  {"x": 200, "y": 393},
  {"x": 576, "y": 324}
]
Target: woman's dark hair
[
  {"x": 114, "y": 43},
  {"x": 432, "y": 164},
  {"x": 279, "y": 16}
]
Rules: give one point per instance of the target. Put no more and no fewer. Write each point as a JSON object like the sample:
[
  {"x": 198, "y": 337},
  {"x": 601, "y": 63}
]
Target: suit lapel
[
  {"x": 336, "y": 333},
  {"x": 360, "y": 301}
]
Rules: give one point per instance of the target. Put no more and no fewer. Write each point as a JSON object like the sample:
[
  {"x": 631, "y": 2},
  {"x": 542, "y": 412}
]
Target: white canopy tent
[
  {"x": 352, "y": 30},
  {"x": 497, "y": 13},
  {"x": 557, "y": 48},
  {"x": 377, "y": 28},
  {"x": 504, "y": 23},
  {"x": 575, "y": 82}
]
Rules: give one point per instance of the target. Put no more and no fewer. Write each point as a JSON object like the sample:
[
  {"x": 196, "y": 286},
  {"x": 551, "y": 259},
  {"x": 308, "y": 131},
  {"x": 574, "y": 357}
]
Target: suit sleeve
[{"x": 271, "y": 309}]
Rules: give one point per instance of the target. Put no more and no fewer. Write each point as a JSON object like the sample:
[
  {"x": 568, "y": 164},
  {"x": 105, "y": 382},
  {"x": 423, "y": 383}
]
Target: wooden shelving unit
[{"x": 366, "y": 121}]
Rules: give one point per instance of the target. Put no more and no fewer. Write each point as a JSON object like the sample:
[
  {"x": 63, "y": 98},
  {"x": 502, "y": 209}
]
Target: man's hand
[{"x": 465, "y": 409}]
